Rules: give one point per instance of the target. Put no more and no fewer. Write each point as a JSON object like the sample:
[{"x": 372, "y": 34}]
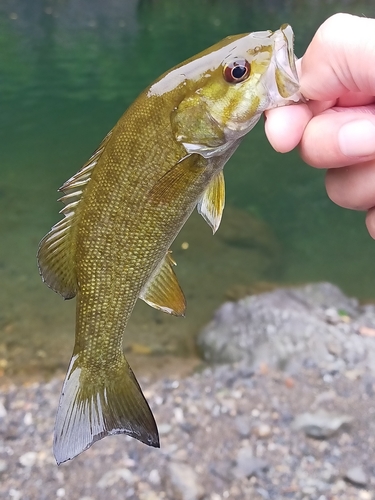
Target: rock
[
  {"x": 154, "y": 477},
  {"x": 320, "y": 425},
  {"x": 3, "y": 466},
  {"x": 28, "y": 418},
  {"x": 3, "y": 412},
  {"x": 247, "y": 465},
  {"x": 356, "y": 475},
  {"x": 242, "y": 424},
  {"x": 292, "y": 327},
  {"x": 263, "y": 431},
  {"x": 28, "y": 459},
  {"x": 184, "y": 481},
  {"x": 164, "y": 429},
  {"x": 15, "y": 494},
  {"x": 113, "y": 476}
]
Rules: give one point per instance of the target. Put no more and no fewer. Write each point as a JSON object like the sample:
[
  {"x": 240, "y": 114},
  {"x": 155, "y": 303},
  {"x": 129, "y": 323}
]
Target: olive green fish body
[{"x": 125, "y": 207}]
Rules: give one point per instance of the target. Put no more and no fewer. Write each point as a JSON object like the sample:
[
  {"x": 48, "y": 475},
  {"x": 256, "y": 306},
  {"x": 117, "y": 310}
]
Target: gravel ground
[
  {"x": 249, "y": 430},
  {"x": 225, "y": 433}
]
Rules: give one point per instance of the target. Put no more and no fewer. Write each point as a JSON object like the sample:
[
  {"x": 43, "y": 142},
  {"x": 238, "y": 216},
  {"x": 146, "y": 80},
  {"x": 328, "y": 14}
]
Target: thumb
[{"x": 340, "y": 59}]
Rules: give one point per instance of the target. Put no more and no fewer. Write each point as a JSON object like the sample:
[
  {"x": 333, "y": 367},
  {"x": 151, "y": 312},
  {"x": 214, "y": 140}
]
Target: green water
[{"x": 68, "y": 70}]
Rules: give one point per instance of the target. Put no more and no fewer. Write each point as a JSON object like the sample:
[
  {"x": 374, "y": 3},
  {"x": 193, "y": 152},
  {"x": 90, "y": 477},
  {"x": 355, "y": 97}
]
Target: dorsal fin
[
  {"x": 56, "y": 250},
  {"x": 211, "y": 205},
  {"x": 162, "y": 291}
]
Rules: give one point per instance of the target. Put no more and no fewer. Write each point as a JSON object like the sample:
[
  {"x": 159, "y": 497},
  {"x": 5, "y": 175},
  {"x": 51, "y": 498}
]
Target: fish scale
[{"x": 125, "y": 207}]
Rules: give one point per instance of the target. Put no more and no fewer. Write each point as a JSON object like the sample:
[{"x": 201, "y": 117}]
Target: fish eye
[{"x": 236, "y": 71}]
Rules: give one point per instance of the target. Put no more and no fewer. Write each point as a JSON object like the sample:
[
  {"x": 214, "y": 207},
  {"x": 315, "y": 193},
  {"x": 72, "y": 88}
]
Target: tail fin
[{"x": 91, "y": 409}]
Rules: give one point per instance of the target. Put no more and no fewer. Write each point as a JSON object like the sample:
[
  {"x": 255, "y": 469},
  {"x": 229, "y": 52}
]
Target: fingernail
[{"x": 357, "y": 138}]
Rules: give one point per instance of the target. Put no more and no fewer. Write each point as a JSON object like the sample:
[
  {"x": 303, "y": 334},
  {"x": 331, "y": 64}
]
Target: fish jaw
[
  {"x": 214, "y": 112},
  {"x": 281, "y": 81}
]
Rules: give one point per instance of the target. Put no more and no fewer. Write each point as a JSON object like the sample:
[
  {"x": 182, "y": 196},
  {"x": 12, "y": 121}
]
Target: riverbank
[{"x": 253, "y": 429}]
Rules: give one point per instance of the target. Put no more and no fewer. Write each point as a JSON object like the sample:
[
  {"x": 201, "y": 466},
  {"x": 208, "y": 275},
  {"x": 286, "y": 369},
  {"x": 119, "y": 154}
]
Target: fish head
[{"x": 220, "y": 94}]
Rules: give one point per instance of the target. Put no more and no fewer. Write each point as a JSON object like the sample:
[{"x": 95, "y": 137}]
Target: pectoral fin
[
  {"x": 163, "y": 291},
  {"x": 211, "y": 205}
]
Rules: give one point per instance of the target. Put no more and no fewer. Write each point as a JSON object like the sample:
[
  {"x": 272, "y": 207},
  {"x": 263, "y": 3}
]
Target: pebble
[
  {"x": 263, "y": 431},
  {"x": 208, "y": 457},
  {"x": 28, "y": 418},
  {"x": 242, "y": 424},
  {"x": 164, "y": 429},
  {"x": 113, "y": 476},
  {"x": 321, "y": 424},
  {"x": 154, "y": 477},
  {"x": 356, "y": 475},
  {"x": 15, "y": 494},
  {"x": 3, "y": 412},
  {"x": 3, "y": 466},
  {"x": 28, "y": 459},
  {"x": 184, "y": 481},
  {"x": 247, "y": 465},
  {"x": 365, "y": 495}
]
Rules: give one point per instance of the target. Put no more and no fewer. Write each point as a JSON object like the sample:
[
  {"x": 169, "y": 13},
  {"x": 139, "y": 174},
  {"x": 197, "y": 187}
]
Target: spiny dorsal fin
[
  {"x": 163, "y": 291},
  {"x": 211, "y": 205},
  {"x": 56, "y": 251}
]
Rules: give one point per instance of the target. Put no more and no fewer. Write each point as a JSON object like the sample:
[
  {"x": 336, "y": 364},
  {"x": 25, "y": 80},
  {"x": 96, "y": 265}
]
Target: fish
[{"x": 125, "y": 206}]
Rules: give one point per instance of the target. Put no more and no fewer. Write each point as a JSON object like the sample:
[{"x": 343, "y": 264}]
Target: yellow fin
[
  {"x": 56, "y": 250},
  {"x": 211, "y": 205},
  {"x": 163, "y": 291}
]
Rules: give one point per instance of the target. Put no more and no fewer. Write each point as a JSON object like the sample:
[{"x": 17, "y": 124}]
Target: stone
[
  {"x": 154, "y": 477},
  {"x": 356, "y": 475},
  {"x": 263, "y": 430},
  {"x": 164, "y": 429},
  {"x": 242, "y": 424},
  {"x": 247, "y": 465},
  {"x": 113, "y": 476},
  {"x": 289, "y": 328},
  {"x": 28, "y": 459},
  {"x": 3, "y": 466},
  {"x": 321, "y": 424},
  {"x": 3, "y": 411},
  {"x": 184, "y": 481}
]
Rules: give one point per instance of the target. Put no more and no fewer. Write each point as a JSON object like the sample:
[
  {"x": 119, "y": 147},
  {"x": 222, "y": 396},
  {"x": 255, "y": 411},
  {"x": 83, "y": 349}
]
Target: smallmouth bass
[{"x": 126, "y": 205}]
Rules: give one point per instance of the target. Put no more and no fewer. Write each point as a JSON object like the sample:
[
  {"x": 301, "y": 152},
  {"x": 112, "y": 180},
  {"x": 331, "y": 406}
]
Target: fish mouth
[{"x": 283, "y": 85}]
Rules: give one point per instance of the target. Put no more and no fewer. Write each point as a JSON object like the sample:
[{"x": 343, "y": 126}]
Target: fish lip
[
  {"x": 284, "y": 39},
  {"x": 283, "y": 65}
]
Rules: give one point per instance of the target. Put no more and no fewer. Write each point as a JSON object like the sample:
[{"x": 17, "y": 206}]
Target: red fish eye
[{"x": 236, "y": 71}]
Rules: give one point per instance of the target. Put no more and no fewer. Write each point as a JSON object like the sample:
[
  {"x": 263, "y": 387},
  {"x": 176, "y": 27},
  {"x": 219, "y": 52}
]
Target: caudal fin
[{"x": 91, "y": 409}]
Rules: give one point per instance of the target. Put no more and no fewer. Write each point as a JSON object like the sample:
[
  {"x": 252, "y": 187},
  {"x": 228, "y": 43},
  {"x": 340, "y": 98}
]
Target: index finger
[{"x": 339, "y": 59}]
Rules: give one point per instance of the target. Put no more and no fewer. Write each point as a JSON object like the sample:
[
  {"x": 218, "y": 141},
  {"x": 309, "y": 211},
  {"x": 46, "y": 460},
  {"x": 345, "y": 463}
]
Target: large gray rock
[{"x": 313, "y": 325}]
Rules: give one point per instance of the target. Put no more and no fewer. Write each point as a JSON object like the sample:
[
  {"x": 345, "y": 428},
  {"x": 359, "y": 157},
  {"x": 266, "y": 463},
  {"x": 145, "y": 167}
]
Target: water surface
[{"x": 68, "y": 70}]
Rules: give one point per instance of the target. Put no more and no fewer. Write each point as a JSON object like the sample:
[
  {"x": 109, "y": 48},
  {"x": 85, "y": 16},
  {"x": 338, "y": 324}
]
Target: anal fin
[
  {"x": 163, "y": 291},
  {"x": 211, "y": 205}
]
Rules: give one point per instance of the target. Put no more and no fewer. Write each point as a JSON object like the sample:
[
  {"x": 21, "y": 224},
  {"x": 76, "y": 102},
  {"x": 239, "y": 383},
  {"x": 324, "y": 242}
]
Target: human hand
[{"x": 336, "y": 128}]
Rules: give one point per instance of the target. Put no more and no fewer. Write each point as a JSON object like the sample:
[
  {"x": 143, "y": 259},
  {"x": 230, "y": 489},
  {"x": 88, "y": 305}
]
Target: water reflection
[{"x": 68, "y": 71}]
